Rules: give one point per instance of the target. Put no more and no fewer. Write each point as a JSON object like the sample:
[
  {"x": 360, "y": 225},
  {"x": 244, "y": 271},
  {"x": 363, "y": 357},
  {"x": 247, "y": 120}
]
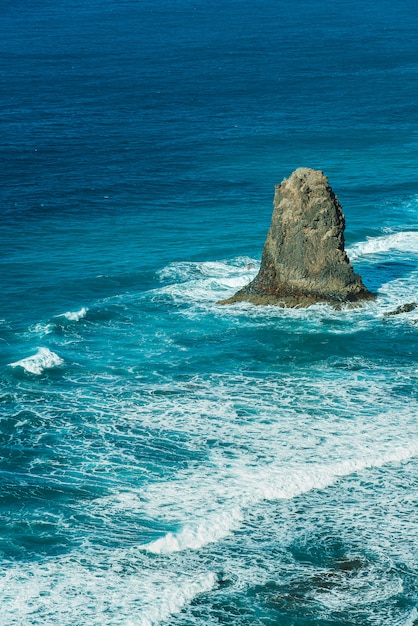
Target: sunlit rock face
[{"x": 304, "y": 261}]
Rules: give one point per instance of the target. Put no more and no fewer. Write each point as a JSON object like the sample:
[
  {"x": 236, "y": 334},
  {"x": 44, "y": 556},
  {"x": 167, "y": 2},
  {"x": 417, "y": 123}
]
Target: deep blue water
[{"x": 165, "y": 460}]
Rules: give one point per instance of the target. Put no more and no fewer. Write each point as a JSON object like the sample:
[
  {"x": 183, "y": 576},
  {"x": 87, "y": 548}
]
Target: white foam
[
  {"x": 43, "y": 360},
  {"x": 188, "y": 269},
  {"x": 122, "y": 587},
  {"x": 320, "y": 476},
  {"x": 411, "y": 619},
  {"x": 396, "y": 293},
  {"x": 214, "y": 519},
  {"x": 192, "y": 537},
  {"x": 41, "y": 329},
  {"x": 308, "y": 433},
  {"x": 174, "y": 598},
  {"x": 404, "y": 242},
  {"x": 74, "y": 316},
  {"x": 205, "y": 282},
  {"x": 201, "y": 285}
]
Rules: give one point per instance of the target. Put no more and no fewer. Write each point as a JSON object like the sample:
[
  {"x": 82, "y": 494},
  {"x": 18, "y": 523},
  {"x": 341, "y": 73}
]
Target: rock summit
[{"x": 304, "y": 261}]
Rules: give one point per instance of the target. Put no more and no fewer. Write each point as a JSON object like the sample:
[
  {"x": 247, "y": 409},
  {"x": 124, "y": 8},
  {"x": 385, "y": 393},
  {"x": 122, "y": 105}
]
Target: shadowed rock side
[{"x": 304, "y": 260}]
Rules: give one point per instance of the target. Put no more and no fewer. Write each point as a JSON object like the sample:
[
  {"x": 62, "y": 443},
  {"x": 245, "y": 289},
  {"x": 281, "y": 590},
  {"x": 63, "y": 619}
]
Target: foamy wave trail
[
  {"x": 57, "y": 323},
  {"x": 175, "y": 598},
  {"x": 193, "y": 537},
  {"x": 403, "y": 242},
  {"x": 247, "y": 487},
  {"x": 412, "y": 619},
  {"x": 60, "y": 591},
  {"x": 396, "y": 293},
  {"x": 74, "y": 316},
  {"x": 43, "y": 360},
  {"x": 313, "y": 477},
  {"x": 202, "y": 285},
  {"x": 213, "y": 280},
  {"x": 208, "y": 281},
  {"x": 41, "y": 329}
]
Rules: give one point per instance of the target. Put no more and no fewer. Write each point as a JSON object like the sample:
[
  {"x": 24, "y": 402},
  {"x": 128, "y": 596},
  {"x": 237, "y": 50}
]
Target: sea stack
[{"x": 304, "y": 261}]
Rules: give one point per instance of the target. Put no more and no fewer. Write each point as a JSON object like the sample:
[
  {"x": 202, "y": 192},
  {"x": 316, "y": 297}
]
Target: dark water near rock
[{"x": 165, "y": 460}]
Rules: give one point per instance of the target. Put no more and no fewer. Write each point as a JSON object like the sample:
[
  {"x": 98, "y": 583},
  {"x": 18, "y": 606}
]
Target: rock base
[{"x": 304, "y": 261}]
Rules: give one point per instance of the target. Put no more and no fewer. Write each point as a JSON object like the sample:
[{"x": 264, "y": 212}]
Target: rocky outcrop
[
  {"x": 402, "y": 308},
  {"x": 304, "y": 260}
]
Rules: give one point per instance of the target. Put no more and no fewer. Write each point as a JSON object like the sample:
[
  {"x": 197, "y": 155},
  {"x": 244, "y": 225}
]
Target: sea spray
[
  {"x": 43, "y": 360},
  {"x": 74, "y": 316}
]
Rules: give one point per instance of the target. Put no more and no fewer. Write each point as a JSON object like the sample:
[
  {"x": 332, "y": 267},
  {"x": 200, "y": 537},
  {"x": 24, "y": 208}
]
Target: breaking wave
[
  {"x": 404, "y": 242},
  {"x": 250, "y": 487},
  {"x": 74, "y": 316},
  {"x": 43, "y": 360},
  {"x": 206, "y": 281}
]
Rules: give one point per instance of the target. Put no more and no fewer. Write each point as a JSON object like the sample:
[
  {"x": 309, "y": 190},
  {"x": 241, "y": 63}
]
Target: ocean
[{"x": 165, "y": 460}]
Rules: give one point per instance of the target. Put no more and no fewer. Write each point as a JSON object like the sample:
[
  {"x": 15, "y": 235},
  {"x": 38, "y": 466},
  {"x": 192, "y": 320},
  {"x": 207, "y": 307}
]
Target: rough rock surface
[
  {"x": 402, "y": 308},
  {"x": 304, "y": 260}
]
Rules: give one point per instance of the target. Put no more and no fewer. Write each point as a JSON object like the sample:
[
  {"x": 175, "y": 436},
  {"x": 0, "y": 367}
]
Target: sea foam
[
  {"x": 175, "y": 598},
  {"x": 43, "y": 360},
  {"x": 206, "y": 281},
  {"x": 404, "y": 242},
  {"x": 74, "y": 316},
  {"x": 129, "y": 591},
  {"x": 193, "y": 537},
  {"x": 247, "y": 487}
]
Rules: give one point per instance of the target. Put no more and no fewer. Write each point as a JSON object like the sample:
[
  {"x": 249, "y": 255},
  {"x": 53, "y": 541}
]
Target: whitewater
[{"x": 241, "y": 443}]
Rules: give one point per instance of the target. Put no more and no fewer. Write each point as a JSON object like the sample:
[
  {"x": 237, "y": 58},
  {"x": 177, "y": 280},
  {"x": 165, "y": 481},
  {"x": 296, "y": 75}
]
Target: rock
[
  {"x": 349, "y": 565},
  {"x": 402, "y": 308},
  {"x": 304, "y": 260}
]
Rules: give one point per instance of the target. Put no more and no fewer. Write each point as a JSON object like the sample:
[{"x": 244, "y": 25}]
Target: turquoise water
[{"x": 166, "y": 460}]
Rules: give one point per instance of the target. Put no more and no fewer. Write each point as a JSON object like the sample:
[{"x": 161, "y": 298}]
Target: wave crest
[
  {"x": 74, "y": 316},
  {"x": 43, "y": 360},
  {"x": 404, "y": 242}
]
